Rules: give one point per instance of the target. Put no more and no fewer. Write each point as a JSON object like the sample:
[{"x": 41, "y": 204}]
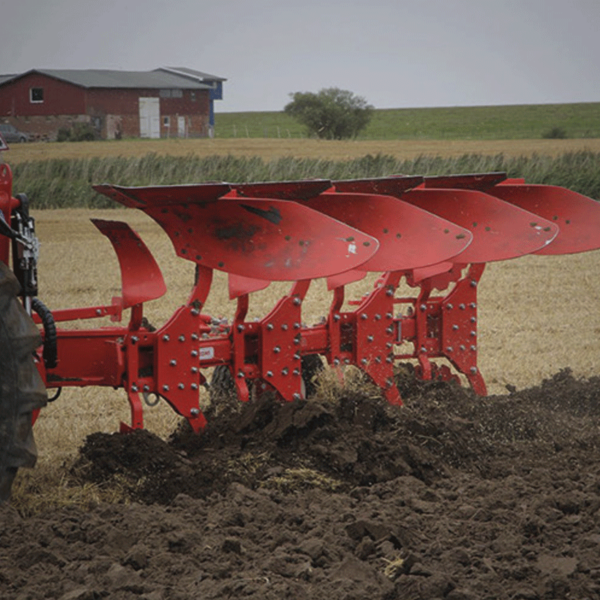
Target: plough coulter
[{"x": 435, "y": 234}]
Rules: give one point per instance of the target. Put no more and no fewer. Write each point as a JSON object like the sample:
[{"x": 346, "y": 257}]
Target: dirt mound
[{"x": 451, "y": 496}]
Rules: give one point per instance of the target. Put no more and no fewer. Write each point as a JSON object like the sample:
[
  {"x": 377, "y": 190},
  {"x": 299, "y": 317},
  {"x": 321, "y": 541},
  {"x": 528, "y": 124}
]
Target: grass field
[{"x": 453, "y": 123}]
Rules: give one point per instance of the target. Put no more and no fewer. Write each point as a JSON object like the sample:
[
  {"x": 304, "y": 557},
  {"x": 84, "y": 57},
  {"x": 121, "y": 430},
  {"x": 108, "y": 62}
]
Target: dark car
[{"x": 12, "y": 134}]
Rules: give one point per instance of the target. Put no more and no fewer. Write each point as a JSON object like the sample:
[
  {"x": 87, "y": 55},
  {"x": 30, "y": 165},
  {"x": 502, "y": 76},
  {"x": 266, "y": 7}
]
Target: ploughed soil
[{"x": 450, "y": 496}]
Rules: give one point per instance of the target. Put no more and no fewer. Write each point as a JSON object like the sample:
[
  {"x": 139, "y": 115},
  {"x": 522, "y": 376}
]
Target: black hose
[{"x": 50, "y": 353}]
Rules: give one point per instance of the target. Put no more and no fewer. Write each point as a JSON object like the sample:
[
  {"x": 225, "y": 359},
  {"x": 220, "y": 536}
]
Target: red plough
[{"x": 434, "y": 233}]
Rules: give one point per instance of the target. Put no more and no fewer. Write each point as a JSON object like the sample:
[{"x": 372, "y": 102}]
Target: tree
[{"x": 330, "y": 114}]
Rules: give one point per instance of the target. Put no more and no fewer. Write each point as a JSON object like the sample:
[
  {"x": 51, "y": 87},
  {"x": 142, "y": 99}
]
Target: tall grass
[{"x": 67, "y": 183}]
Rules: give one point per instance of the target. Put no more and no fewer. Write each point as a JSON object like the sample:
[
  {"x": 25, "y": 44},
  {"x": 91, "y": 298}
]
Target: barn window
[
  {"x": 36, "y": 94},
  {"x": 167, "y": 121},
  {"x": 165, "y": 93},
  {"x": 176, "y": 93}
]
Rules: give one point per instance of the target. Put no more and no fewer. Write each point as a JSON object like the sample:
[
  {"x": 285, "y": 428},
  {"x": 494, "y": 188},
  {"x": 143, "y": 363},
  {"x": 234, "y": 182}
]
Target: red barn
[{"x": 166, "y": 102}]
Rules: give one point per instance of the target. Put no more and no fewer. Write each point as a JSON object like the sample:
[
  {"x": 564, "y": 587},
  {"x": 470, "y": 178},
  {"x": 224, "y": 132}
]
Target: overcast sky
[{"x": 395, "y": 53}]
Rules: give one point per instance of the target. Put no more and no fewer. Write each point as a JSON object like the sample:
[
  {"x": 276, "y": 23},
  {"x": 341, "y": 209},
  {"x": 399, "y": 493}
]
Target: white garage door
[{"x": 150, "y": 117}]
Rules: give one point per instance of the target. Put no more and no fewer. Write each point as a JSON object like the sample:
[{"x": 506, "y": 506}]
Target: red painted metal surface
[
  {"x": 273, "y": 240},
  {"x": 141, "y": 279},
  {"x": 164, "y": 195},
  {"x": 408, "y": 236},
  {"x": 282, "y": 190},
  {"x": 577, "y": 216},
  {"x": 500, "y": 231}
]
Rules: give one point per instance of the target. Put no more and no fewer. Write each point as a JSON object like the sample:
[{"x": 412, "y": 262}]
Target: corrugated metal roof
[{"x": 104, "y": 78}]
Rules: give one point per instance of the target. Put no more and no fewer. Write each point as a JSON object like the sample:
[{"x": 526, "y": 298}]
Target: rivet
[
  {"x": 195, "y": 312},
  {"x": 297, "y": 396},
  {"x": 336, "y": 317},
  {"x": 240, "y": 328},
  {"x": 269, "y": 373},
  {"x": 363, "y": 316},
  {"x": 297, "y": 301},
  {"x": 270, "y": 326},
  {"x": 194, "y": 337},
  {"x": 195, "y": 412},
  {"x": 284, "y": 326},
  {"x": 146, "y": 388},
  {"x": 182, "y": 338},
  {"x": 194, "y": 353},
  {"x": 134, "y": 339},
  {"x": 454, "y": 327},
  {"x": 473, "y": 370},
  {"x": 370, "y": 338},
  {"x": 462, "y": 306},
  {"x": 194, "y": 386},
  {"x": 277, "y": 349},
  {"x": 423, "y": 307},
  {"x": 473, "y": 333},
  {"x": 240, "y": 374},
  {"x": 194, "y": 370},
  {"x": 363, "y": 361},
  {"x": 173, "y": 362},
  {"x": 166, "y": 338},
  {"x": 450, "y": 306},
  {"x": 296, "y": 372},
  {"x": 134, "y": 388},
  {"x": 449, "y": 349},
  {"x": 285, "y": 371},
  {"x": 165, "y": 388},
  {"x": 181, "y": 386},
  {"x": 377, "y": 317},
  {"x": 473, "y": 283}
]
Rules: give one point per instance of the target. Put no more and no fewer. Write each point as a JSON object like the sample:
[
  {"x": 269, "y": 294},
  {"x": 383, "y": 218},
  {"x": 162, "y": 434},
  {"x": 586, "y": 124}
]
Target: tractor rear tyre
[{"x": 21, "y": 387}]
